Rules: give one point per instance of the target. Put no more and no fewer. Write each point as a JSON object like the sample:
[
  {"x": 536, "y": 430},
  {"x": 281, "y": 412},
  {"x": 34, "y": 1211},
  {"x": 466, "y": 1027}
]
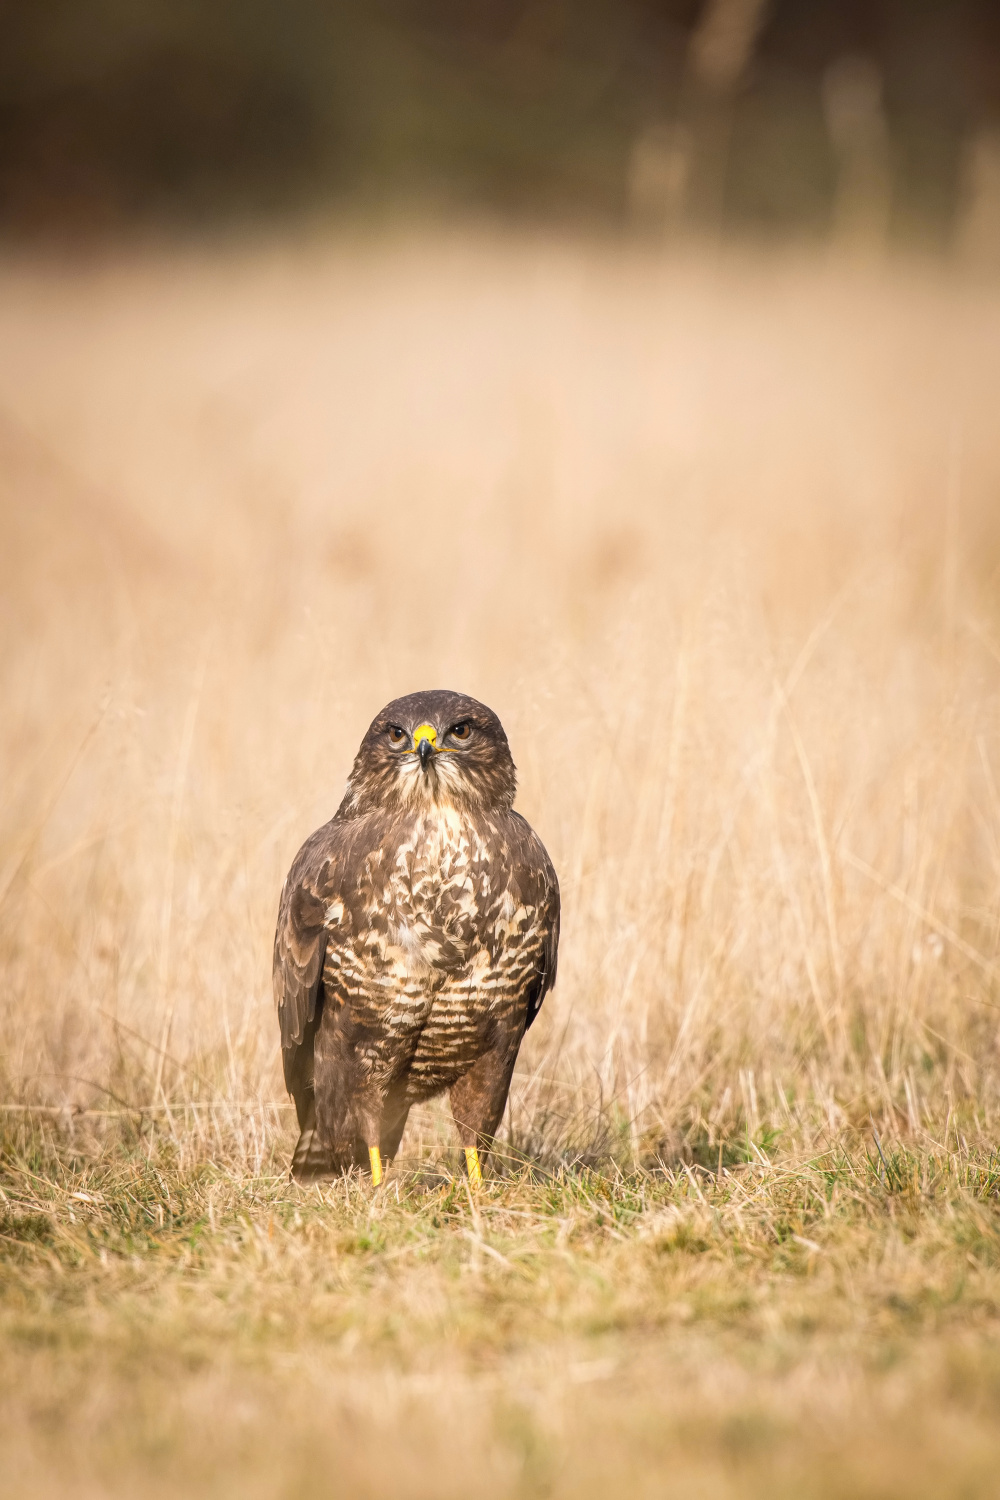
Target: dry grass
[{"x": 719, "y": 540}]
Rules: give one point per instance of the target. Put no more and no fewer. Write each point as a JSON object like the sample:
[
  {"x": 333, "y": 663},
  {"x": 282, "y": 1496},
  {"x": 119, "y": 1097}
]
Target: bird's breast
[
  {"x": 434, "y": 948},
  {"x": 439, "y": 884}
]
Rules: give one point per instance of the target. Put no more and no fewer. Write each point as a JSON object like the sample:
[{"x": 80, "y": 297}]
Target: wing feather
[
  {"x": 538, "y": 886},
  {"x": 320, "y": 873}
]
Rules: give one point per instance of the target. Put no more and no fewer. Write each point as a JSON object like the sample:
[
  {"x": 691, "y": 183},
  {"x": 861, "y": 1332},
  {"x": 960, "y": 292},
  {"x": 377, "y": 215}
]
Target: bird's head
[{"x": 432, "y": 747}]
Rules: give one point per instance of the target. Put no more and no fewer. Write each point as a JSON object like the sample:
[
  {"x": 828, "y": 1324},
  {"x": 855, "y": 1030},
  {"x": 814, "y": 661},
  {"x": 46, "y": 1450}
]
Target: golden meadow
[{"x": 717, "y": 534}]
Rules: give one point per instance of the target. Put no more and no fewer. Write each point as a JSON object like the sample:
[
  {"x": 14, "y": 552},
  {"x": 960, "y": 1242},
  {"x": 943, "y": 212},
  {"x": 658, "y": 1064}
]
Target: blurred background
[
  {"x": 655, "y": 346},
  {"x": 876, "y": 120}
]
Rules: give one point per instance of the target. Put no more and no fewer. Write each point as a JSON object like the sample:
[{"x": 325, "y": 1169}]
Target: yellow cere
[{"x": 429, "y": 732}]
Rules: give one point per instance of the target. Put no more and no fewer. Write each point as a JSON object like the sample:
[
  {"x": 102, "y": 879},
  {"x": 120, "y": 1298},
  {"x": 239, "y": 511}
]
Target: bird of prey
[{"x": 417, "y": 937}]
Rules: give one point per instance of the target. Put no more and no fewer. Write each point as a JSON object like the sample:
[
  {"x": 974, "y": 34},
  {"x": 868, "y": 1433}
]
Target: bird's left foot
[{"x": 475, "y": 1171}]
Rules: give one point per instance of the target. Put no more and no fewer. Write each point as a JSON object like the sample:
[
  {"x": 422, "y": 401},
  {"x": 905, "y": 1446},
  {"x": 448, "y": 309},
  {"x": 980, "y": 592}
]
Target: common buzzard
[{"x": 417, "y": 936}]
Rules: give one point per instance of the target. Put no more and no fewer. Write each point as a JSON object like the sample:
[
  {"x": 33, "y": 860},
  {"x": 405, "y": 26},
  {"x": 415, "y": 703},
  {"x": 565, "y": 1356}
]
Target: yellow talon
[
  {"x": 474, "y": 1169},
  {"x": 376, "y": 1158}
]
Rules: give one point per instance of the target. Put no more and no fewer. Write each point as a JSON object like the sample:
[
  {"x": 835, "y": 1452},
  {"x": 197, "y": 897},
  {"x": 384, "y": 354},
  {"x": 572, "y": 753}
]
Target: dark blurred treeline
[{"x": 877, "y": 116}]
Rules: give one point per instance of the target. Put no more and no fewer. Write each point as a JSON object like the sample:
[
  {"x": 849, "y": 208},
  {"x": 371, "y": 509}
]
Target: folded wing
[
  {"x": 533, "y": 874},
  {"x": 299, "y": 954}
]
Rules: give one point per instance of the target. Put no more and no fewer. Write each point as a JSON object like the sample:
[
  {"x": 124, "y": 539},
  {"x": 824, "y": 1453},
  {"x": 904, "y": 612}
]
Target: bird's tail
[{"x": 312, "y": 1161}]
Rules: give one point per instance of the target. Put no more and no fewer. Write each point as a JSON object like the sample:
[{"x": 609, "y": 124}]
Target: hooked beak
[{"x": 425, "y": 743}]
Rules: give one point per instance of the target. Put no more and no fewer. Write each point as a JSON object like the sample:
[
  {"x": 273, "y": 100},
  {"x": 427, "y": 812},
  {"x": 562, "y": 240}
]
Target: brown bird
[{"x": 417, "y": 937}]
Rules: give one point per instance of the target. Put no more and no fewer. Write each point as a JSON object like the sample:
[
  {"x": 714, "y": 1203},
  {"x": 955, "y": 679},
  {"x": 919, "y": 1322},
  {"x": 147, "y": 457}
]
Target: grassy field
[{"x": 718, "y": 536}]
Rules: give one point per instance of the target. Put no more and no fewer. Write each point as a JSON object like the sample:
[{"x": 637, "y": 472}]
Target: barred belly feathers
[{"x": 417, "y": 937}]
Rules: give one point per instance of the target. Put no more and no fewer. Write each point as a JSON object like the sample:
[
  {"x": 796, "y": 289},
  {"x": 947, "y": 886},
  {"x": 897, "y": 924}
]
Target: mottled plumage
[{"x": 417, "y": 936}]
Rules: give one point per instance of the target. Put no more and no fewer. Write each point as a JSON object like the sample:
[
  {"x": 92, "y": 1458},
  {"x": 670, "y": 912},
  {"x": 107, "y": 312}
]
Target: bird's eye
[
  {"x": 396, "y": 735},
  {"x": 460, "y": 731}
]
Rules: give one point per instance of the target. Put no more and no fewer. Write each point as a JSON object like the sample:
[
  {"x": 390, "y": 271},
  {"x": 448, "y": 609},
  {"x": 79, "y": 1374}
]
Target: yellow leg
[
  {"x": 472, "y": 1163},
  {"x": 376, "y": 1157}
]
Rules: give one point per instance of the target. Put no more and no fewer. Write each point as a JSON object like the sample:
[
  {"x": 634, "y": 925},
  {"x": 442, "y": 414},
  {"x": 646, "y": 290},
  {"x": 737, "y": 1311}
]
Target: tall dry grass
[{"x": 717, "y": 537}]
